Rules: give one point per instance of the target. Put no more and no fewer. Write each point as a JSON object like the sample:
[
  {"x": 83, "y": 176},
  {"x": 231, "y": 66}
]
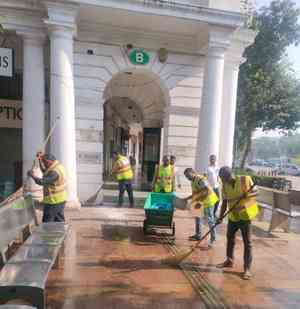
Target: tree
[{"x": 269, "y": 93}]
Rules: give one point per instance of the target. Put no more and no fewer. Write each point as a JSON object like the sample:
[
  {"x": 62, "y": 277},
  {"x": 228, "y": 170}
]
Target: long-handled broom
[{"x": 178, "y": 258}]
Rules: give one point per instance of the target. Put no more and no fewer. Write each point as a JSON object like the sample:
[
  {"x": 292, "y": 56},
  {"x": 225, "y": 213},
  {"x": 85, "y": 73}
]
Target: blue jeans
[
  {"x": 216, "y": 190},
  {"x": 209, "y": 215},
  {"x": 125, "y": 185},
  {"x": 54, "y": 213}
]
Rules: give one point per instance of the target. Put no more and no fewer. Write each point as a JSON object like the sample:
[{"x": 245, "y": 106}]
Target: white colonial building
[{"x": 151, "y": 77}]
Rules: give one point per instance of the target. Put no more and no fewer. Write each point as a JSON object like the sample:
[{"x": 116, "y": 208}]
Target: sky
[{"x": 293, "y": 56}]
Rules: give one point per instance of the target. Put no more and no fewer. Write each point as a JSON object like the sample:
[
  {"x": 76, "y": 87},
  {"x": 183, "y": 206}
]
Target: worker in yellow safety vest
[
  {"x": 203, "y": 201},
  {"x": 164, "y": 178},
  {"x": 54, "y": 187},
  {"x": 235, "y": 187},
  {"x": 175, "y": 171},
  {"x": 124, "y": 174}
]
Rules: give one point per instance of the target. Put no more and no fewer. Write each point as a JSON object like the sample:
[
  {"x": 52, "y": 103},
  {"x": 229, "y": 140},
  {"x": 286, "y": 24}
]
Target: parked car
[
  {"x": 257, "y": 162},
  {"x": 289, "y": 169}
]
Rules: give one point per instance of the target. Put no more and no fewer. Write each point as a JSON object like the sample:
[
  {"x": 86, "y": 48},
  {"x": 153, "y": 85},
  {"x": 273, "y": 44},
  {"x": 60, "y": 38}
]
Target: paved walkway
[{"x": 110, "y": 264}]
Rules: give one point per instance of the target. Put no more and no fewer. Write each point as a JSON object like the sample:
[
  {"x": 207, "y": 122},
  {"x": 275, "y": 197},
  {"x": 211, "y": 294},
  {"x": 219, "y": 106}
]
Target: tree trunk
[{"x": 246, "y": 150}]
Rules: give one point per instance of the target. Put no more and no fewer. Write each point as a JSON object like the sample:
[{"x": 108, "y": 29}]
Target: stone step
[{"x": 111, "y": 197}]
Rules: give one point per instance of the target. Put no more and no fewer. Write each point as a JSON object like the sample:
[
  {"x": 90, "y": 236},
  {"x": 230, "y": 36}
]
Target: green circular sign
[{"x": 139, "y": 57}]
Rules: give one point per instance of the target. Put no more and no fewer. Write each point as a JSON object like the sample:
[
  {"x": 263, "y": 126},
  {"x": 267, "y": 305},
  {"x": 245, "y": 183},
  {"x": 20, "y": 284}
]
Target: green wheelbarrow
[{"x": 159, "y": 210}]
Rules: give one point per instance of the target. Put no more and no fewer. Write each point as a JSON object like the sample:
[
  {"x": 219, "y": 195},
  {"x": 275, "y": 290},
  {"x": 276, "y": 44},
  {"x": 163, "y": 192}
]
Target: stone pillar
[
  {"x": 231, "y": 73},
  {"x": 33, "y": 97},
  {"x": 239, "y": 41},
  {"x": 210, "y": 112},
  {"x": 61, "y": 25}
]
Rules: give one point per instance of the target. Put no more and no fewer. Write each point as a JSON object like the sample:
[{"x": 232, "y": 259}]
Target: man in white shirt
[
  {"x": 175, "y": 170},
  {"x": 212, "y": 173}
]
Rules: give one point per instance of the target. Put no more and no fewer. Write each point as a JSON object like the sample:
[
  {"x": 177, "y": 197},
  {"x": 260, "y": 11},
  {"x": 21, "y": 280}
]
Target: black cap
[
  {"x": 49, "y": 157},
  {"x": 225, "y": 170}
]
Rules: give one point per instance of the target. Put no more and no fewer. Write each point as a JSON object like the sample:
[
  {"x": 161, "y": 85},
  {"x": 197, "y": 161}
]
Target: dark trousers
[
  {"x": 54, "y": 213},
  {"x": 125, "y": 185},
  {"x": 216, "y": 190},
  {"x": 245, "y": 227}
]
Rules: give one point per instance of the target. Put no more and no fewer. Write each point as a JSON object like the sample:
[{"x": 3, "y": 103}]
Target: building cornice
[
  {"x": 18, "y": 19},
  {"x": 139, "y": 38},
  {"x": 61, "y": 19},
  {"x": 25, "y": 5},
  {"x": 183, "y": 11},
  {"x": 241, "y": 39}
]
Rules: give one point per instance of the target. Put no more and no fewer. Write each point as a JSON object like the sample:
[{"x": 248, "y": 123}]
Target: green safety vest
[
  {"x": 203, "y": 193},
  {"x": 123, "y": 169},
  {"x": 232, "y": 194},
  {"x": 164, "y": 179},
  {"x": 56, "y": 193}
]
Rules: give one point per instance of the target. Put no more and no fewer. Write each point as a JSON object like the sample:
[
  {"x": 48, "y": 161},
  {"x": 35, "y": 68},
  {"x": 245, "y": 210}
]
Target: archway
[{"x": 135, "y": 101}]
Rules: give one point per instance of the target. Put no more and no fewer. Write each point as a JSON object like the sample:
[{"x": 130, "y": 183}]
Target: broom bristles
[{"x": 178, "y": 258}]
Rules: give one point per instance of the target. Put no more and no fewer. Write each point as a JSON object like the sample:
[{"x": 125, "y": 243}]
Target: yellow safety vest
[
  {"x": 123, "y": 169},
  {"x": 203, "y": 193},
  {"x": 164, "y": 179},
  {"x": 250, "y": 208},
  {"x": 56, "y": 193}
]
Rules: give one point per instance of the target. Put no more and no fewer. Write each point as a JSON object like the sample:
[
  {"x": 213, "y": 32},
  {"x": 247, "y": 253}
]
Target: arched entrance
[{"x": 135, "y": 101}]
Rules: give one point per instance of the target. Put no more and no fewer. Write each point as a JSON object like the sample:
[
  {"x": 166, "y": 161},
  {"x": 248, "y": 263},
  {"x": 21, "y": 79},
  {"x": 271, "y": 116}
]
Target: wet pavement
[
  {"x": 108, "y": 263},
  {"x": 276, "y": 270}
]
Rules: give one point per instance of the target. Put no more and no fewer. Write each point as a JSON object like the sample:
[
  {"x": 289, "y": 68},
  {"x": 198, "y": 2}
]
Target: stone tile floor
[{"x": 108, "y": 263}]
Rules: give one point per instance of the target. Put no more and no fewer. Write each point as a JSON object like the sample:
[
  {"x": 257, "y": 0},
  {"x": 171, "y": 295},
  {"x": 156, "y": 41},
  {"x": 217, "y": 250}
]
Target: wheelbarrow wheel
[
  {"x": 145, "y": 231},
  {"x": 173, "y": 229}
]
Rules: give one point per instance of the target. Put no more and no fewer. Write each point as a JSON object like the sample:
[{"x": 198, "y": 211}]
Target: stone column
[
  {"x": 210, "y": 112},
  {"x": 137, "y": 153},
  {"x": 61, "y": 25},
  {"x": 33, "y": 96},
  {"x": 240, "y": 40},
  {"x": 231, "y": 73}
]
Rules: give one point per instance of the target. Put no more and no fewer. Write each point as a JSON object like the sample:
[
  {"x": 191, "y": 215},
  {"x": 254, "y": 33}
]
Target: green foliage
[
  {"x": 247, "y": 8},
  {"x": 269, "y": 93},
  {"x": 287, "y": 146},
  {"x": 296, "y": 160}
]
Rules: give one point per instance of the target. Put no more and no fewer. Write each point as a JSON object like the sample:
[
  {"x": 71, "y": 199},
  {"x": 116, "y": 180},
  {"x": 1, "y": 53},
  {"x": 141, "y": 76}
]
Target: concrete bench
[
  {"x": 16, "y": 307},
  {"x": 24, "y": 275},
  {"x": 281, "y": 206}
]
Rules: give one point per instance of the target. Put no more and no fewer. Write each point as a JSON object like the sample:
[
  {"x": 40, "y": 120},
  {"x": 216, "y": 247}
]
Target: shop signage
[
  {"x": 10, "y": 114},
  {"x": 139, "y": 57},
  {"x": 6, "y": 62}
]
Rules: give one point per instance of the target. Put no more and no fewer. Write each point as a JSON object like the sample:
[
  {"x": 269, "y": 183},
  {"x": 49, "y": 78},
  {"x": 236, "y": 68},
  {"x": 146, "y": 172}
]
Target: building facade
[{"x": 150, "y": 77}]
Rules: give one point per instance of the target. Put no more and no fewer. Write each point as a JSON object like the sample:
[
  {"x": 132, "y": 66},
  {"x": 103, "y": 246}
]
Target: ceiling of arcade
[{"x": 144, "y": 89}]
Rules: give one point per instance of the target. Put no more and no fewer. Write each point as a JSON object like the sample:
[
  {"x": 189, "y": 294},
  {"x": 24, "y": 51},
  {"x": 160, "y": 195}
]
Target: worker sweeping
[
  {"x": 54, "y": 187},
  {"x": 240, "y": 217},
  {"x": 164, "y": 178},
  {"x": 203, "y": 202},
  {"x": 124, "y": 174}
]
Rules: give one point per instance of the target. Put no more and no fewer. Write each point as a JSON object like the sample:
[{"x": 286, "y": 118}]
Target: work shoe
[
  {"x": 247, "y": 275},
  {"x": 227, "y": 264},
  {"x": 194, "y": 237}
]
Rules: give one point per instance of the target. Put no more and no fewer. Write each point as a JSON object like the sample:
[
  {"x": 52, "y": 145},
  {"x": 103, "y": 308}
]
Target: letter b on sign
[{"x": 139, "y": 57}]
